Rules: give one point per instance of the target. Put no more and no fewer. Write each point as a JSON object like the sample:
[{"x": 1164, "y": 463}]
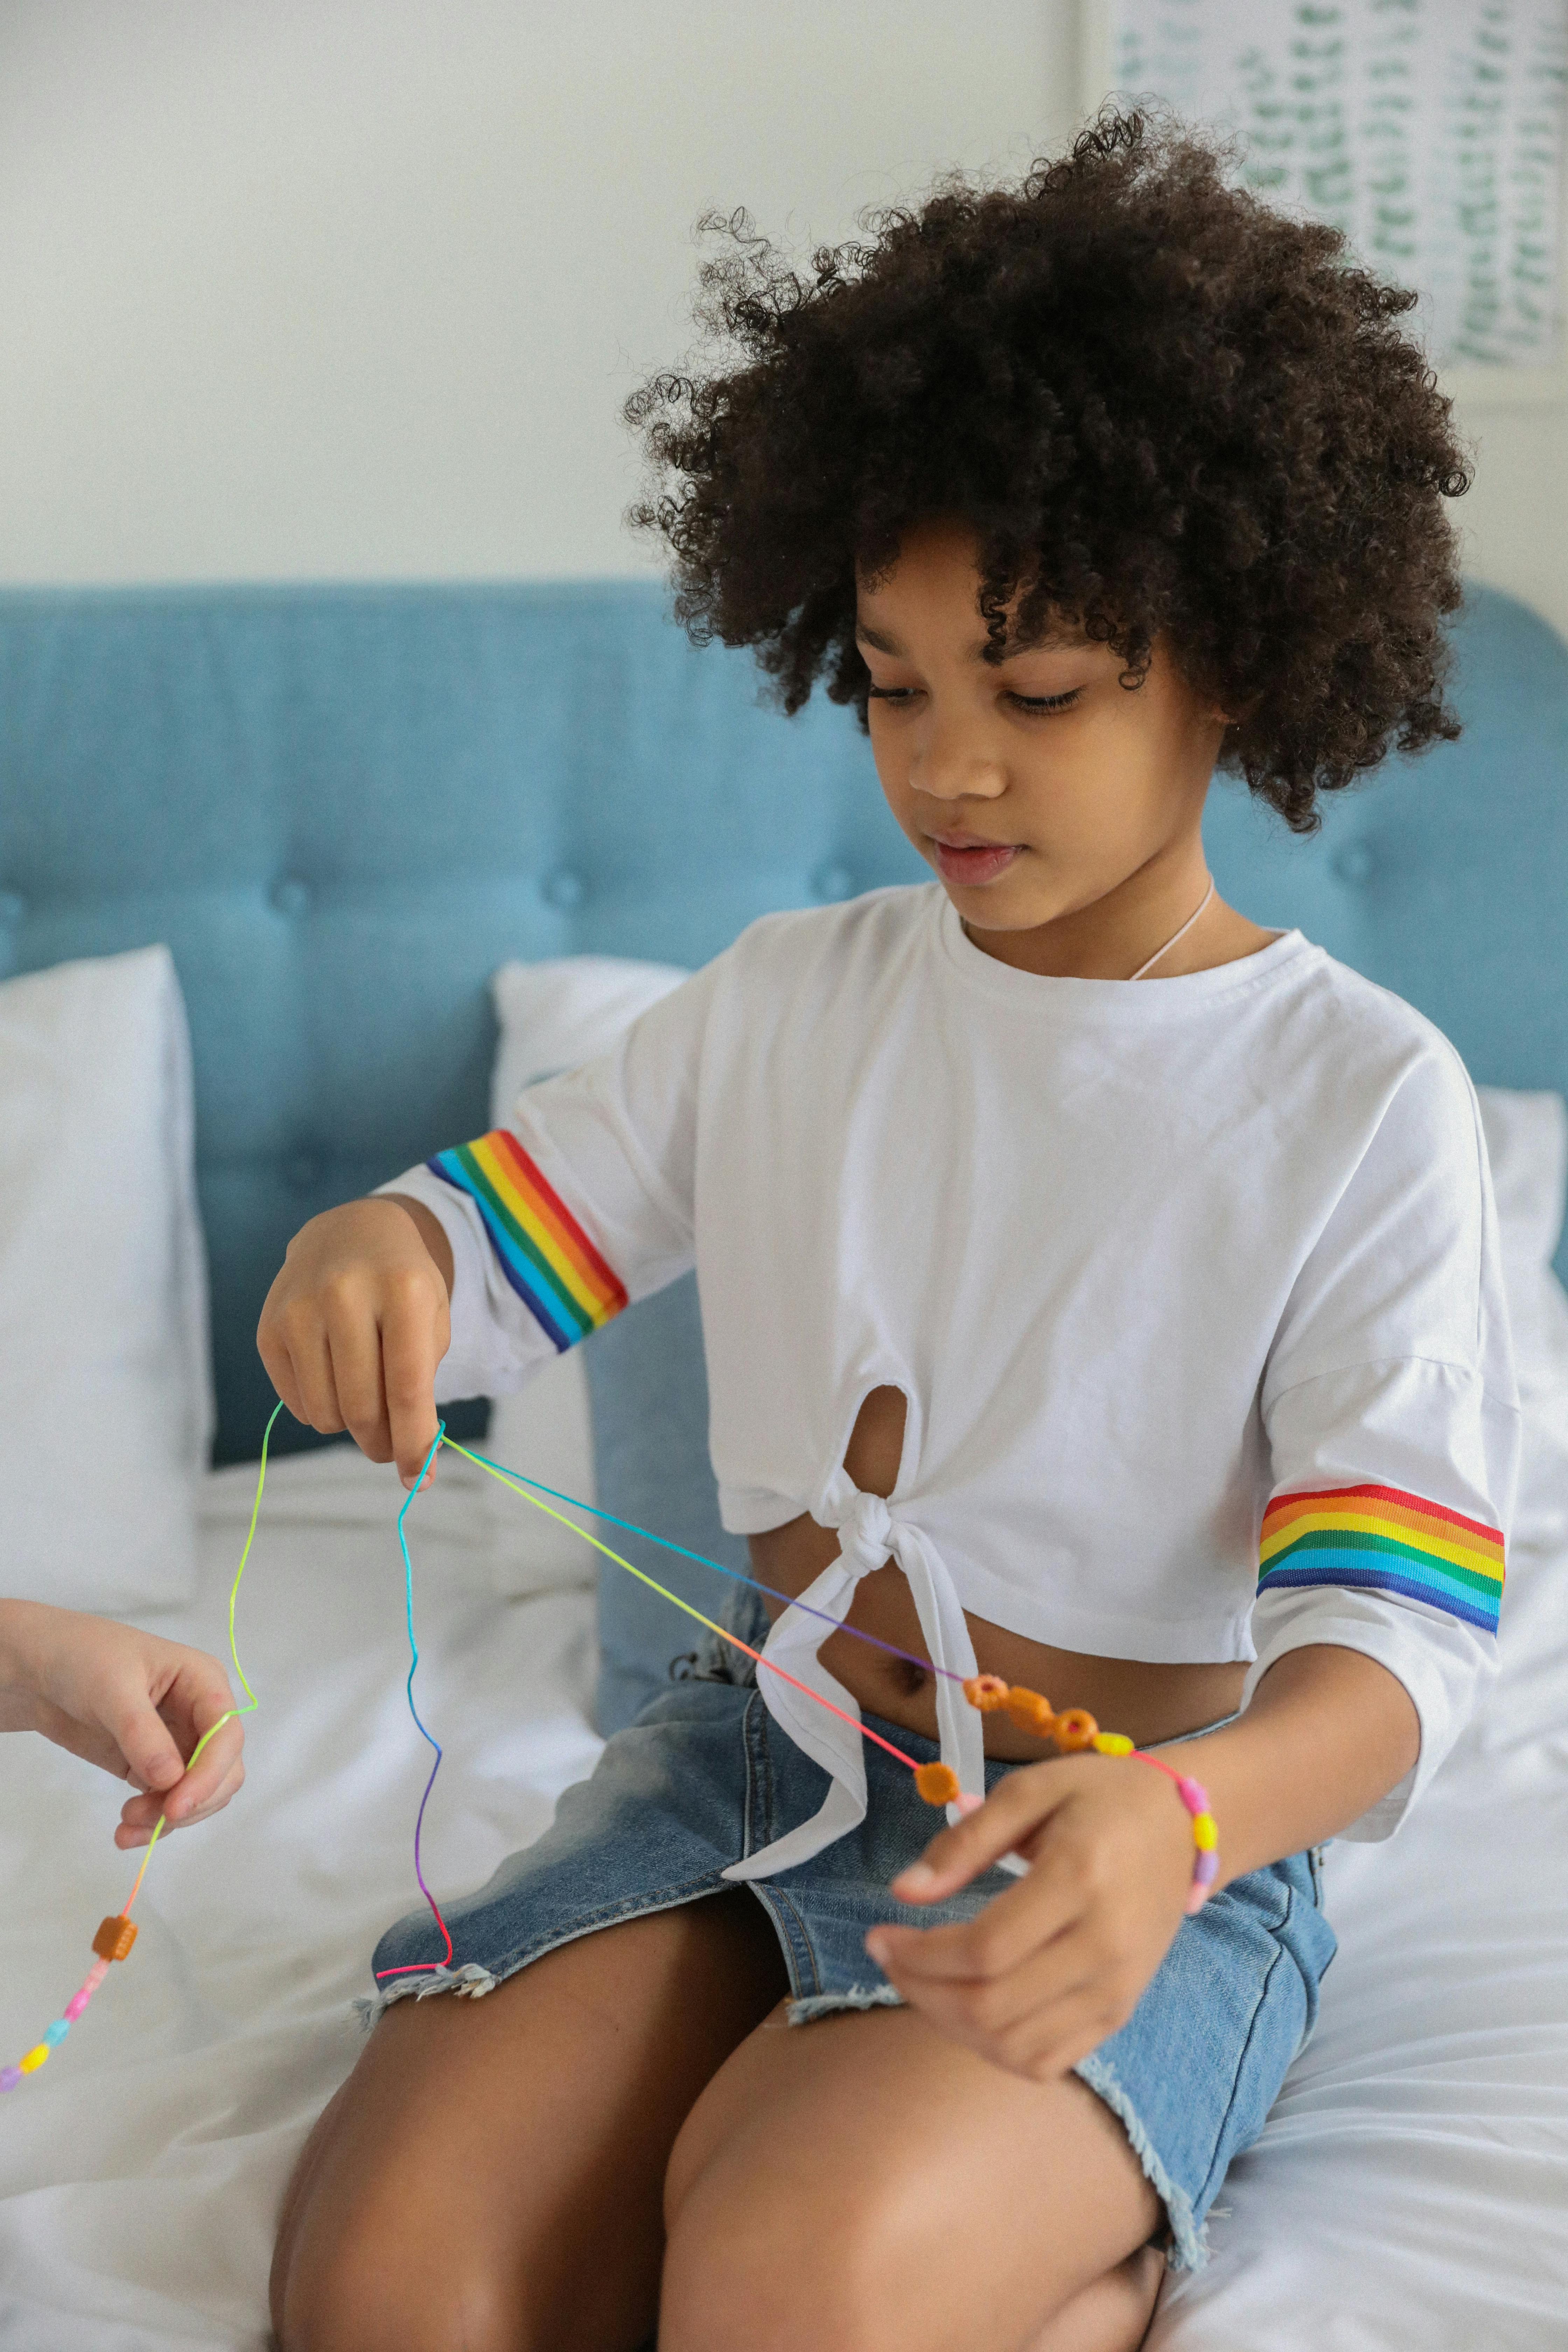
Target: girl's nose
[{"x": 951, "y": 764}]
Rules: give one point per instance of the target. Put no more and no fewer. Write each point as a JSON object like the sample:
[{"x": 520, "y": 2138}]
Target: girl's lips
[{"x": 971, "y": 866}]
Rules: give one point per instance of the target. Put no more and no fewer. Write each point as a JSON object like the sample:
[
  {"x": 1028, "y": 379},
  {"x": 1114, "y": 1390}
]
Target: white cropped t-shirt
[{"x": 1190, "y": 1287}]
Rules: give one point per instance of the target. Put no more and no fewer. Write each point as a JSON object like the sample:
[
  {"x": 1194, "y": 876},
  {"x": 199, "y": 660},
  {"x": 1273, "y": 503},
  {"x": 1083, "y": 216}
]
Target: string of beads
[{"x": 1074, "y": 1731}]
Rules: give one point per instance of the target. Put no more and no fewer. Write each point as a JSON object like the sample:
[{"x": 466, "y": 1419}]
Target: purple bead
[
  {"x": 10, "y": 2077},
  {"x": 1205, "y": 1870}
]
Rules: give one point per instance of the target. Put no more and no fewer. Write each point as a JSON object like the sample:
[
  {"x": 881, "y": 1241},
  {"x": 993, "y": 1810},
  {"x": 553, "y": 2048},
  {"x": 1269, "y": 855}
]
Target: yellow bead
[
  {"x": 1112, "y": 1743},
  {"x": 1206, "y": 1832},
  {"x": 35, "y": 2058}
]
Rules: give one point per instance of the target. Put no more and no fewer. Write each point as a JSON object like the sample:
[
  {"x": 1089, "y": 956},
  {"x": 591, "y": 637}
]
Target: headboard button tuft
[
  {"x": 302, "y": 1171},
  {"x": 291, "y": 897},
  {"x": 564, "y": 891},
  {"x": 1355, "y": 862},
  {"x": 833, "y": 881},
  {"x": 13, "y": 906}
]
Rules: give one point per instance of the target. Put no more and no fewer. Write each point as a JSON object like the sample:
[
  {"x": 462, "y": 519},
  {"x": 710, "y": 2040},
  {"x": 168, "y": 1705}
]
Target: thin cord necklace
[{"x": 1176, "y": 936}]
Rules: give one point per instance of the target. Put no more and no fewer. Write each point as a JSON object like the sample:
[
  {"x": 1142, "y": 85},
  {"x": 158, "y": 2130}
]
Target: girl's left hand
[{"x": 1058, "y": 1961}]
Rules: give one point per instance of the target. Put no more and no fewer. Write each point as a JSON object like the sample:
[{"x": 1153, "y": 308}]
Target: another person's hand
[
  {"x": 127, "y": 1701},
  {"x": 356, "y": 1323},
  {"x": 1056, "y": 1962}
]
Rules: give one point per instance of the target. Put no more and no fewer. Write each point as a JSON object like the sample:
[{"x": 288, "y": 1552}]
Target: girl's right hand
[{"x": 356, "y": 1323}]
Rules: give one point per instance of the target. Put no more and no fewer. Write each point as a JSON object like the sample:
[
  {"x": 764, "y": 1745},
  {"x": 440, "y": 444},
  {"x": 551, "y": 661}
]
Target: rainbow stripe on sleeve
[
  {"x": 1379, "y": 1537},
  {"x": 543, "y": 1252}
]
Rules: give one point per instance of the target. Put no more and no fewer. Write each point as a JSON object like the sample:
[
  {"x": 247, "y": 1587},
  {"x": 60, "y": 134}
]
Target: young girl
[{"x": 1068, "y": 1246}]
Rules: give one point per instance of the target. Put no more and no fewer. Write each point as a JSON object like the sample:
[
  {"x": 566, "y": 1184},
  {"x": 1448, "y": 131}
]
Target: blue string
[
  {"x": 737, "y": 1576},
  {"x": 413, "y": 1670}
]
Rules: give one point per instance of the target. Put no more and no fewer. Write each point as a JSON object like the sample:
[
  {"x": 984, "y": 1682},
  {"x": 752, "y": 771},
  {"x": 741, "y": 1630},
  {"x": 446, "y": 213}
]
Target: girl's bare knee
[
  {"x": 369, "y": 2293},
  {"x": 836, "y": 2292}
]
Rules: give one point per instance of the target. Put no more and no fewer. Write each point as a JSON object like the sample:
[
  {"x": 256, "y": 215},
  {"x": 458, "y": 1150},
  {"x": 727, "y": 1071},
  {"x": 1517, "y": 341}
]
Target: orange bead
[
  {"x": 1075, "y": 1729},
  {"x": 986, "y": 1691},
  {"x": 938, "y": 1784},
  {"x": 1030, "y": 1712},
  {"x": 114, "y": 1939}
]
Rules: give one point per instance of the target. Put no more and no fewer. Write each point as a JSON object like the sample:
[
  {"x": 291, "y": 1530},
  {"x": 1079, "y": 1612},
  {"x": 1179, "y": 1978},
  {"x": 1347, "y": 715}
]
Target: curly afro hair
[{"x": 1164, "y": 410}]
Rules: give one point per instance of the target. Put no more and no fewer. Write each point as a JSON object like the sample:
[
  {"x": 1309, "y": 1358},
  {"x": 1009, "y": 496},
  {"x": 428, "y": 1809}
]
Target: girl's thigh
[
  {"x": 862, "y": 2185},
  {"x": 492, "y": 2173}
]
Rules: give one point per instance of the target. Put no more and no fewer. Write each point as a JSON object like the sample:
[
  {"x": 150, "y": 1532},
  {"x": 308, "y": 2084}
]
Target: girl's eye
[
  {"x": 1032, "y": 702},
  {"x": 892, "y": 693}
]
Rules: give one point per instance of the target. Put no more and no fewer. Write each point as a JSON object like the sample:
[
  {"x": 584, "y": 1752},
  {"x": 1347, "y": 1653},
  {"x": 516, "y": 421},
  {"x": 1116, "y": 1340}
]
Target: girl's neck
[{"x": 1146, "y": 922}]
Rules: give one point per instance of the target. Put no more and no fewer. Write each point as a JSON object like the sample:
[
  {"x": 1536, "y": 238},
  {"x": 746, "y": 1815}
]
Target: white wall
[
  {"x": 350, "y": 288},
  {"x": 356, "y": 288}
]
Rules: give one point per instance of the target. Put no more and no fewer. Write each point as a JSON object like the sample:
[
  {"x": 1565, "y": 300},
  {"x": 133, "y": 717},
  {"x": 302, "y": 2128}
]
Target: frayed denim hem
[
  {"x": 470, "y": 1981},
  {"x": 827, "y": 2004},
  {"x": 1189, "y": 2248}
]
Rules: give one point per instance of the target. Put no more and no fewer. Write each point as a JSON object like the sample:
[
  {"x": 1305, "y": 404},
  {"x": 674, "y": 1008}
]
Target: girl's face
[{"x": 1037, "y": 787}]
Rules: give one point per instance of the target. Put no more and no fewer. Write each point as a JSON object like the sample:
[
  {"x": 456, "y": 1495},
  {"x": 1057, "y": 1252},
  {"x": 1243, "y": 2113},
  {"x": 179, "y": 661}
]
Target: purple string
[
  {"x": 839, "y": 1623},
  {"x": 421, "y": 1966}
]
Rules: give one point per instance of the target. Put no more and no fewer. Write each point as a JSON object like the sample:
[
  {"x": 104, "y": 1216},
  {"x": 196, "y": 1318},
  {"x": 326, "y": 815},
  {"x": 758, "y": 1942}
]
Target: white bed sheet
[{"x": 1409, "y": 2194}]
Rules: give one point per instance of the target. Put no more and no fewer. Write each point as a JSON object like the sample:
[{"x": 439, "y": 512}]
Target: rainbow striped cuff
[
  {"x": 543, "y": 1252},
  {"x": 1381, "y": 1539}
]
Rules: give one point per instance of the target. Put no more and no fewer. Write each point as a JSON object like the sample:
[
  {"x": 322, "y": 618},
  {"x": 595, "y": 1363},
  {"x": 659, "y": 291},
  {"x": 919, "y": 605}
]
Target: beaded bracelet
[{"x": 1073, "y": 1731}]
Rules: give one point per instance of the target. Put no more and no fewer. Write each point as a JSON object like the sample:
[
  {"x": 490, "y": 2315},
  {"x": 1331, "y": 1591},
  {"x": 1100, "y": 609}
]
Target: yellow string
[
  {"x": 516, "y": 1488},
  {"x": 723, "y": 1632},
  {"x": 251, "y": 1701}
]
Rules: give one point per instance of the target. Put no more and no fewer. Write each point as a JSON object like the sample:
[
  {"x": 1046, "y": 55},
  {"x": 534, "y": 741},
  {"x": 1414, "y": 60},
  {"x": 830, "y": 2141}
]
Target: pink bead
[
  {"x": 1205, "y": 1870},
  {"x": 1193, "y": 1794},
  {"x": 74, "y": 2007}
]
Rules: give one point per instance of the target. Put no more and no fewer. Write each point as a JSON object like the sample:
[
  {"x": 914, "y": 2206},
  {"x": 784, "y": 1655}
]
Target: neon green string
[
  {"x": 722, "y": 1631},
  {"x": 251, "y": 1700}
]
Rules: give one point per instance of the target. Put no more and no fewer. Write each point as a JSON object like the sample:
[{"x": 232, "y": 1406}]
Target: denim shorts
[{"x": 704, "y": 1776}]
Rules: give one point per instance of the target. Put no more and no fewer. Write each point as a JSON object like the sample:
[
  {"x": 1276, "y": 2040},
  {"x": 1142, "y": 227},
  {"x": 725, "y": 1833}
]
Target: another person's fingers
[
  {"x": 140, "y": 1816},
  {"x": 151, "y": 1757},
  {"x": 195, "y": 1792}
]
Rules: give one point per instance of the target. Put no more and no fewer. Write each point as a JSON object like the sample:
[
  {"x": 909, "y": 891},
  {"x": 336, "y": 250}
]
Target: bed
[{"x": 342, "y": 809}]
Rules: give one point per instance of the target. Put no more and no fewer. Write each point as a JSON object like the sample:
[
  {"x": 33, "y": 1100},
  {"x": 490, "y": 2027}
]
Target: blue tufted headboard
[{"x": 343, "y": 807}]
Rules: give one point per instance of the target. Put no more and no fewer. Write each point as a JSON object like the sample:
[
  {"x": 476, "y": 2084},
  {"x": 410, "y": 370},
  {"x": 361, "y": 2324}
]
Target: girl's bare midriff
[{"x": 1148, "y": 1702}]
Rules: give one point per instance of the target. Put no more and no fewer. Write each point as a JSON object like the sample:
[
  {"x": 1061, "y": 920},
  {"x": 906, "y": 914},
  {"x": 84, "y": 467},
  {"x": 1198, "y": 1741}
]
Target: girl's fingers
[
  {"x": 1020, "y": 2009},
  {"x": 310, "y": 1361},
  {"x": 1031, "y": 1914},
  {"x": 415, "y": 1334},
  {"x": 1015, "y": 1810},
  {"x": 353, "y": 1346},
  {"x": 279, "y": 1365}
]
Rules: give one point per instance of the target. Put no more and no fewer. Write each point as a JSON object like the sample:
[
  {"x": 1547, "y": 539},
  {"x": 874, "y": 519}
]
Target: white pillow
[
  {"x": 105, "y": 1385},
  {"x": 1527, "y": 1144},
  {"x": 554, "y": 1017}
]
